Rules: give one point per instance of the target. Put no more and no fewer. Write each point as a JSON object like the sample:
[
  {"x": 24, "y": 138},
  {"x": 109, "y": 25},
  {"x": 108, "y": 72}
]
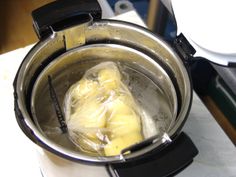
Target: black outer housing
[
  {"x": 59, "y": 14},
  {"x": 167, "y": 162},
  {"x": 162, "y": 161}
]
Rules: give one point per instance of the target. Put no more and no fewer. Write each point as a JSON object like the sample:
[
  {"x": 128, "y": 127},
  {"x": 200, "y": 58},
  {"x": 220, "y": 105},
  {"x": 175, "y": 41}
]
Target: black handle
[
  {"x": 166, "y": 162},
  {"x": 61, "y": 14},
  {"x": 184, "y": 48}
]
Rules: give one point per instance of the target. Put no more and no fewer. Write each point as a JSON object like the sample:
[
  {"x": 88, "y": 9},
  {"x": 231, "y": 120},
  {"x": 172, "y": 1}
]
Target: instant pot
[{"x": 74, "y": 38}]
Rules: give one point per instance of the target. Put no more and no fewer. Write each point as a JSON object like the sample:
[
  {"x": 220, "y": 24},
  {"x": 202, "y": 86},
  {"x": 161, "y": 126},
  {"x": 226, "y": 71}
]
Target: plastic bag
[{"x": 101, "y": 114}]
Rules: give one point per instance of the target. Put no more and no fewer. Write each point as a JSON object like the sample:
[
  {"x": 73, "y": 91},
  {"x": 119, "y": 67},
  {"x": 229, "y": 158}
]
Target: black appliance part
[
  {"x": 58, "y": 15},
  {"x": 165, "y": 163}
]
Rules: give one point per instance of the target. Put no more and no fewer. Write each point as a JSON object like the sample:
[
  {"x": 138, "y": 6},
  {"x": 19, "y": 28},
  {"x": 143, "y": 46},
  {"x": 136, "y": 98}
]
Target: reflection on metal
[
  {"x": 75, "y": 36},
  {"x": 152, "y": 13},
  {"x": 166, "y": 138}
]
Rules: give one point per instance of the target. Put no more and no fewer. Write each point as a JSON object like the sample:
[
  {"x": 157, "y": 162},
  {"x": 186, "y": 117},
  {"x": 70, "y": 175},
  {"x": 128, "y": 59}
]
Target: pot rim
[{"x": 35, "y": 134}]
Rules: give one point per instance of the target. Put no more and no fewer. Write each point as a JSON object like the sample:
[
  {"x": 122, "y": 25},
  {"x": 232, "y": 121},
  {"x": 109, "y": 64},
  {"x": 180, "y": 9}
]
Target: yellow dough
[
  {"x": 115, "y": 146},
  {"x": 84, "y": 89},
  {"x": 101, "y": 114},
  {"x": 127, "y": 99},
  {"x": 85, "y": 126},
  {"x": 132, "y": 138},
  {"x": 121, "y": 124},
  {"x": 118, "y": 106},
  {"x": 88, "y": 144},
  {"x": 89, "y": 115},
  {"x": 109, "y": 78}
]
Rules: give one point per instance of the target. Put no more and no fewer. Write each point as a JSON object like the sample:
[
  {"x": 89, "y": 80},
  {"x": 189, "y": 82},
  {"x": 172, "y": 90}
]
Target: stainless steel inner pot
[{"x": 66, "y": 60}]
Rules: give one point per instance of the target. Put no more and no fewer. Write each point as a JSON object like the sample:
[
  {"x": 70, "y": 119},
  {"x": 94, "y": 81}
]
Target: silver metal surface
[
  {"x": 70, "y": 67},
  {"x": 71, "y": 37},
  {"x": 134, "y": 45}
]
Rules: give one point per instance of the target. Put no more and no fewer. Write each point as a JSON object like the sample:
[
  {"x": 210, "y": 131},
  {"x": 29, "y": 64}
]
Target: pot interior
[
  {"x": 164, "y": 91},
  {"x": 148, "y": 82}
]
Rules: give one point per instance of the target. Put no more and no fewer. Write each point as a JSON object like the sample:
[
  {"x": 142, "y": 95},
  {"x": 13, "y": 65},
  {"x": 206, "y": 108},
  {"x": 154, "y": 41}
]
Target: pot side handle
[
  {"x": 167, "y": 162},
  {"x": 61, "y": 14}
]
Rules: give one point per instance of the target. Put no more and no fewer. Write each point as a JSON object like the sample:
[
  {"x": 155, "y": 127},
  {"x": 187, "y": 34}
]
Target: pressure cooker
[{"x": 73, "y": 38}]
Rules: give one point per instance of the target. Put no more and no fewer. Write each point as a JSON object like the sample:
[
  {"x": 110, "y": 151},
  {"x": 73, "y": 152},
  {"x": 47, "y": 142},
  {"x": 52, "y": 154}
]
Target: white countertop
[{"x": 216, "y": 158}]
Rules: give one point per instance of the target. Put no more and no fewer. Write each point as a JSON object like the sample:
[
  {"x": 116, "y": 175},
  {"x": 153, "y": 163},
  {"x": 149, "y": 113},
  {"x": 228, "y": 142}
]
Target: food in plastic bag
[
  {"x": 115, "y": 146},
  {"x": 101, "y": 114}
]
